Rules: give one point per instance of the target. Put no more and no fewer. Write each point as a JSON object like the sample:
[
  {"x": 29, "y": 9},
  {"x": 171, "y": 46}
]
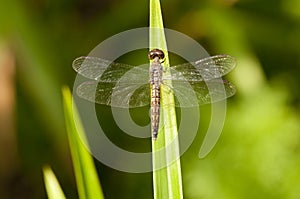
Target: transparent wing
[
  {"x": 189, "y": 94},
  {"x": 126, "y": 86},
  {"x": 106, "y": 71},
  {"x": 122, "y": 95},
  {"x": 204, "y": 69}
]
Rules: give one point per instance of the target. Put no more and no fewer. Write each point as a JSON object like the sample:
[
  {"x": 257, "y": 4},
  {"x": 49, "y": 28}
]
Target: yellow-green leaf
[
  {"x": 88, "y": 184},
  {"x": 167, "y": 181},
  {"x": 53, "y": 188}
]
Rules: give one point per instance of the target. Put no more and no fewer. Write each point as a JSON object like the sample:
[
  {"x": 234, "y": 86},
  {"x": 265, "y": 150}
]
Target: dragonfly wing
[
  {"x": 204, "y": 69},
  {"x": 189, "y": 94},
  {"x": 122, "y": 95},
  {"x": 107, "y": 71}
]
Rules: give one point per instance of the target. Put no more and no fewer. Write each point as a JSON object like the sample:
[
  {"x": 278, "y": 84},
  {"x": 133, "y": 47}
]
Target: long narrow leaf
[
  {"x": 53, "y": 188},
  {"x": 85, "y": 172},
  {"x": 166, "y": 181}
]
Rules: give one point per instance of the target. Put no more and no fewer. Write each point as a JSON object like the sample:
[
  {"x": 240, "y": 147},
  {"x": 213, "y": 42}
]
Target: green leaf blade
[
  {"x": 53, "y": 188},
  {"x": 167, "y": 181},
  {"x": 86, "y": 176}
]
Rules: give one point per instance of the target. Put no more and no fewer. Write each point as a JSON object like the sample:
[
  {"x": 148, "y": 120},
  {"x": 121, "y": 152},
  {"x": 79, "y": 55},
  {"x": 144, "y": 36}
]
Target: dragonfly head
[{"x": 156, "y": 53}]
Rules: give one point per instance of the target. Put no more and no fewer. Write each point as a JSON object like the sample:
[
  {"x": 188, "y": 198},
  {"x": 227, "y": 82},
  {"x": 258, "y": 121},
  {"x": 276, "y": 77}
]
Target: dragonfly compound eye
[{"x": 156, "y": 53}]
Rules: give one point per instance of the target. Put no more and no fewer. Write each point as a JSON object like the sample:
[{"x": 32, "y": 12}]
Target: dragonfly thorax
[{"x": 155, "y": 73}]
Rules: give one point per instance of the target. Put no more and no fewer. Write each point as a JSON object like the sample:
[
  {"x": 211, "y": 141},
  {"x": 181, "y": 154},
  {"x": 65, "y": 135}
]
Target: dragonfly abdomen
[{"x": 155, "y": 109}]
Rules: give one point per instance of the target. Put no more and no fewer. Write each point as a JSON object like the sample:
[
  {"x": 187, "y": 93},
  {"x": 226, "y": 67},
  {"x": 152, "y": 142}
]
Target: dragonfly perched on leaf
[{"x": 126, "y": 86}]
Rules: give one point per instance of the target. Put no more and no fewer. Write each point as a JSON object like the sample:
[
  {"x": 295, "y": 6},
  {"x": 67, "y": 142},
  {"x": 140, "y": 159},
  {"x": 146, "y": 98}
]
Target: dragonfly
[{"x": 126, "y": 86}]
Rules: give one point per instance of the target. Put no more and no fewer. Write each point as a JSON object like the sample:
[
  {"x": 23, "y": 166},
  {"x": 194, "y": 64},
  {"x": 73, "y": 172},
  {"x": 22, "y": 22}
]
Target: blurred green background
[{"x": 257, "y": 155}]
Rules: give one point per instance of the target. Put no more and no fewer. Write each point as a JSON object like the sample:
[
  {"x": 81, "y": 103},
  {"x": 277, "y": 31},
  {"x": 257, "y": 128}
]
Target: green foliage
[
  {"x": 53, "y": 188},
  {"x": 257, "y": 155},
  {"x": 88, "y": 184}
]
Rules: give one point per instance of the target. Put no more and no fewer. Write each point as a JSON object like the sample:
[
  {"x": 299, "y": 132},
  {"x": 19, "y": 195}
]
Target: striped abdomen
[{"x": 155, "y": 109}]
